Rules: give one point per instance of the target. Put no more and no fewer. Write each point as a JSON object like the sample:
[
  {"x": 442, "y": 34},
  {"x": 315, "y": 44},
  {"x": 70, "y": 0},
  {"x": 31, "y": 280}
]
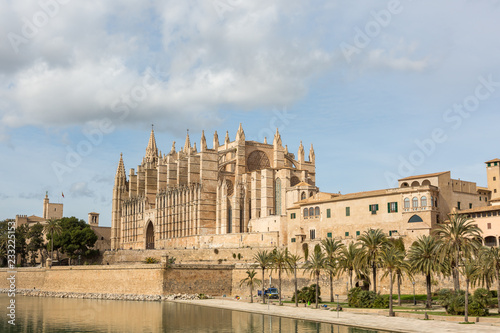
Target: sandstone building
[
  {"x": 249, "y": 194},
  {"x": 191, "y": 198}
]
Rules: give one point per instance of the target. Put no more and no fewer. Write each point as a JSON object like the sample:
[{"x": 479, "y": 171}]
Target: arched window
[
  {"x": 311, "y": 211},
  {"x": 423, "y": 201},
  {"x": 415, "y": 202},
  {"x": 426, "y": 183},
  {"x": 306, "y": 212},
  {"x": 311, "y": 194},
  {"x": 407, "y": 203},
  {"x": 277, "y": 196},
  {"x": 405, "y": 185},
  {"x": 257, "y": 160},
  {"x": 229, "y": 218},
  {"x": 316, "y": 211},
  {"x": 415, "y": 218},
  {"x": 415, "y": 184},
  {"x": 303, "y": 196},
  {"x": 490, "y": 241},
  {"x": 432, "y": 201}
]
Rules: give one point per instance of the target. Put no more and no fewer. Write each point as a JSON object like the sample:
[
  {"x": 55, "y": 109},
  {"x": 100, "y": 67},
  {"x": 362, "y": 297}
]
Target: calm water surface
[{"x": 46, "y": 314}]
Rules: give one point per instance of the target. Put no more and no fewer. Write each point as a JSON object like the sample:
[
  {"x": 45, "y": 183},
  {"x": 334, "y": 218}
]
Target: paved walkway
[{"x": 368, "y": 321}]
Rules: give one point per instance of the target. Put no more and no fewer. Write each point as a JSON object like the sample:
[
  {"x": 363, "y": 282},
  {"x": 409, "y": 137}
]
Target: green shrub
[
  {"x": 477, "y": 310},
  {"x": 483, "y": 297},
  {"x": 359, "y": 298},
  {"x": 151, "y": 260},
  {"x": 308, "y": 294},
  {"x": 454, "y": 302}
]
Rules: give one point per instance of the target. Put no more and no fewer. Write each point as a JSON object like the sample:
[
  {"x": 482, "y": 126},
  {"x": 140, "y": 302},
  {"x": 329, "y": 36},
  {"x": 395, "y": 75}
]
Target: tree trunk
[
  {"x": 350, "y": 277},
  {"x": 263, "y": 298},
  {"x": 374, "y": 268},
  {"x": 391, "y": 312},
  {"x": 295, "y": 282},
  {"x": 331, "y": 287},
  {"x": 317, "y": 285},
  {"x": 457, "y": 281},
  {"x": 429, "y": 296},
  {"x": 251, "y": 291},
  {"x": 466, "y": 300},
  {"x": 399, "y": 288},
  {"x": 279, "y": 284},
  {"x": 498, "y": 287}
]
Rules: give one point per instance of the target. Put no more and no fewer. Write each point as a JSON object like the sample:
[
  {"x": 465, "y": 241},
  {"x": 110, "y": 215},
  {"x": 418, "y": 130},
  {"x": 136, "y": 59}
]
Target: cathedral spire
[
  {"x": 277, "y": 139},
  {"x": 312, "y": 156},
  {"x": 187, "y": 144},
  {"x": 216, "y": 140},
  {"x": 240, "y": 135},
  {"x": 120, "y": 171},
  {"x": 301, "y": 154},
  {"x": 151, "y": 150},
  {"x": 203, "y": 142},
  {"x": 226, "y": 140},
  {"x": 172, "y": 151}
]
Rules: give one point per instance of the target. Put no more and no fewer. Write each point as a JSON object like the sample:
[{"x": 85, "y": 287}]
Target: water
[{"x": 46, "y": 314}]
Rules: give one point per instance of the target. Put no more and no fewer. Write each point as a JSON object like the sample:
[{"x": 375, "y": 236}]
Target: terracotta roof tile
[{"x": 494, "y": 160}]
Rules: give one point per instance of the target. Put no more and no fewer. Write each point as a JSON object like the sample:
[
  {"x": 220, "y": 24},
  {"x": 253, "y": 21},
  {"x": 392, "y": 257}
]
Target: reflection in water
[{"x": 46, "y": 314}]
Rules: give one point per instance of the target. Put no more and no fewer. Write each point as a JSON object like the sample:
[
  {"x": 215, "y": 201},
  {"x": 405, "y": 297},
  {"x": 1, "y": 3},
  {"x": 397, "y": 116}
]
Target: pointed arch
[{"x": 150, "y": 236}]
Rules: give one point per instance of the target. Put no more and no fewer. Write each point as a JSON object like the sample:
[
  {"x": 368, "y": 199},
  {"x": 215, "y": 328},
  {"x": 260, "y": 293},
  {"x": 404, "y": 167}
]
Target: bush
[
  {"x": 359, "y": 298},
  {"x": 151, "y": 260},
  {"x": 308, "y": 294},
  {"x": 454, "y": 302}
]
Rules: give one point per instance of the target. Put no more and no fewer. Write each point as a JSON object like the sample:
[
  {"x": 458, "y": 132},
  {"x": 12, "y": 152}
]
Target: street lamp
[{"x": 414, "y": 300}]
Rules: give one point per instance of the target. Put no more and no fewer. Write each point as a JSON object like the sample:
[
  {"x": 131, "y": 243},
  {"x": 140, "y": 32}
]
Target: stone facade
[{"x": 188, "y": 196}]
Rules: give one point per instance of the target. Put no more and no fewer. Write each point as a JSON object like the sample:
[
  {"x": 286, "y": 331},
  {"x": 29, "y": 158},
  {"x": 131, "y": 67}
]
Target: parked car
[{"x": 269, "y": 293}]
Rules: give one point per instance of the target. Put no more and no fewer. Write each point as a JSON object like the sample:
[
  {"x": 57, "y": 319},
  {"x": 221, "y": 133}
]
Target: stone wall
[{"x": 137, "y": 279}]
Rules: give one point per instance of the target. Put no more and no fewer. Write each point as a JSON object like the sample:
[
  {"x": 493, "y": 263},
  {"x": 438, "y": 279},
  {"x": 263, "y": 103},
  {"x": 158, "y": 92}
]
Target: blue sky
[{"x": 383, "y": 89}]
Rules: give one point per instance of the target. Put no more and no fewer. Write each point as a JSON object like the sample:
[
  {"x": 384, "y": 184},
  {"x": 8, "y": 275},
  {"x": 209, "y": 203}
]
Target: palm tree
[
  {"x": 492, "y": 262},
  {"x": 332, "y": 248},
  {"x": 470, "y": 272},
  {"x": 348, "y": 259},
  {"x": 293, "y": 264},
  {"x": 373, "y": 242},
  {"x": 460, "y": 238},
  {"x": 315, "y": 265},
  {"x": 52, "y": 227},
  {"x": 403, "y": 269},
  {"x": 486, "y": 275},
  {"x": 251, "y": 281},
  {"x": 263, "y": 259},
  {"x": 424, "y": 258},
  {"x": 279, "y": 262},
  {"x": 391, "y": 259}
]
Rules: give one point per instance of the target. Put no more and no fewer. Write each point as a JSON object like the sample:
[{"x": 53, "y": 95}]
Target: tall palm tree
[
  {"x": 52, "y": 227},
  {"x": 470, "y": 271},
  {"x": 460, "y": 238},
  {"x": 492, "y": 261},
  {"x": 263, "y": 259},
  {"x": 315, "y": 265},
  {"x": 424, "y": 257},
  {"x": 391, "y": 259},
  {"x": 373, "y": 242},
  {"x": 251, "y": 281},
  {"x": 293, "y": 263},
  {"x": 332, "y": 248},
  {"x": 403, "y": 269},
  {"x": 279, "y": 263},
  {"x": 486, "y": 275},
  {"x": 348, "y": 260}
]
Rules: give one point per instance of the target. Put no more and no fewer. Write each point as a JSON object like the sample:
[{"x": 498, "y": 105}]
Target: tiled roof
[
  {"x": 480, "y": 209},
  {"x": 495, "y": 160}
]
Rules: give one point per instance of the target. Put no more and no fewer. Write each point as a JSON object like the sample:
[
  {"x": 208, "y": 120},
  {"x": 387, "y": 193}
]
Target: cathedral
[{"x": 234, "y": 194}]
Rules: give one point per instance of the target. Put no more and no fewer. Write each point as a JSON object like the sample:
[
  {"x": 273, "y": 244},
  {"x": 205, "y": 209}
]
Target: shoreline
[
  {"x": 364, "y": 321},
  {"x": 369, "y": 321}
]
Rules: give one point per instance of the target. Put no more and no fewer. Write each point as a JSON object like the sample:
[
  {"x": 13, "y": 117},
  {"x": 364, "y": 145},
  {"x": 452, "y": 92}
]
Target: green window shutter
[
  {"x": 347, "y": 233},
  {"x": 328, "y": 213},
  {"x": 329, "y": 235},
  {"x": 293, "y": 240},
  {"x": 358, "y": 233},
  {"x": 370, "y": 207},
  {"x": 390, "y": 232},
  {"x": 388, "y": 207},
  {"x": 348, "y": 211},
  {"x": 396, "y": 206},
  {"x": 376, "y": 207}
]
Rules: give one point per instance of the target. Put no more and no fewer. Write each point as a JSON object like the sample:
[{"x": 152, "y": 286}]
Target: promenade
[{"x": 367, "y": 321}]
